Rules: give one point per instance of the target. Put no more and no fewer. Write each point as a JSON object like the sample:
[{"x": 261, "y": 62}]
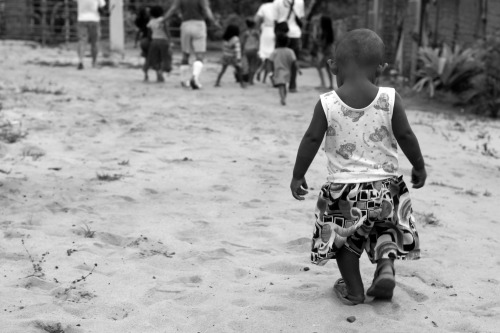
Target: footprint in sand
[
  {"x": 302, "y": 244},
  {"x": 216, "y": 254},
  {"x": 112, "y": 239},
  {"x": 221, "y": 188},
  {"x": 240, "y": 273},
  {"x": 240, "y": 302},
  {"x": 273, "y": 308},
  {"x": 281, "y": 267},
  {"x": 417, "y": 296},
  {"x": 36, "y": 283}
]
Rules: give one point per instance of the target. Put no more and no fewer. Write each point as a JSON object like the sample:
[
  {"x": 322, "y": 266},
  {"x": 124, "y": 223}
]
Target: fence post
[
  {"x": 66, "y": 23},
  {"x": 116, "y": 27},
  {"x": 416, "y": 8},
  {"x": 44, "y": 21}
]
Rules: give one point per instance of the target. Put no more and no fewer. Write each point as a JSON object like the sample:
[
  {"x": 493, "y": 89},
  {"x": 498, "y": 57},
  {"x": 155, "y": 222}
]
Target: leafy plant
[
  {"x": 483, "y": 97},
  {"x": 447, "y": 69}
]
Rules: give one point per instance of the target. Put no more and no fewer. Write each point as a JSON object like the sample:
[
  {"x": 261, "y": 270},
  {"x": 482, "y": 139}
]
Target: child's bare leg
[
  {"x": 348, "y": 264},
  {"x": 239, "y": 76},
  {"x": 81, "y": 50},
  {"x": 222, "y": 71},
  {"x": 94, "y": 49},
  {"x": 282, "y": 91},
  {"x": 260, "y": 69},
  {"x": 159, "y": 76},
  {"x": 145, "y": 69},
  {"x": 384, "y": 280}
]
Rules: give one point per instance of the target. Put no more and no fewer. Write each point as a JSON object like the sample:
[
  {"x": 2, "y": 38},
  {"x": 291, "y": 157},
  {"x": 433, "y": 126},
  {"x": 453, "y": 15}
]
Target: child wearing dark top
[
  {"x": 324, "y": 49},
  {"x": 281, "y": 63},
  {"x": 231, "y": 53},
  {"x": 365, "y": 205},
  {"x": 250, "y": 42},
  {"x": 143, "y": 33},
  {"x": 159, "y": 54}
]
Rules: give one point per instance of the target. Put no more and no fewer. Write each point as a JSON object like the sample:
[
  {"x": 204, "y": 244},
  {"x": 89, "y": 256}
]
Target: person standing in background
[
  {"x": 193, "y": 36},
  {"x": 291, "y": 12},
  {"x": 88, "y": 28},
  {"x": 265, "y": 19}
]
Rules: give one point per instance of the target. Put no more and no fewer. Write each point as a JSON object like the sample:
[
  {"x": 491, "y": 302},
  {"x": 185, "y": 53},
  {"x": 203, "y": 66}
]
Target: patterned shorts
[{"x": 375, "y": 217}]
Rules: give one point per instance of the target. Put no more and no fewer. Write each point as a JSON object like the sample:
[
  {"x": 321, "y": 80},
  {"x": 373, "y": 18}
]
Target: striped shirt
[{"x": 232, "y": 48}]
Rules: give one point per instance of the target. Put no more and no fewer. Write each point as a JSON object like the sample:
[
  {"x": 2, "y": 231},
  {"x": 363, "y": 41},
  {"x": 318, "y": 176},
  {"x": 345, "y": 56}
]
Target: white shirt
[
  {"x": 88, "y": 10},
  {"x": 267, "y": 13},
  {"x": 282, "y": 8},
  {"x": 359, "y": 143}
]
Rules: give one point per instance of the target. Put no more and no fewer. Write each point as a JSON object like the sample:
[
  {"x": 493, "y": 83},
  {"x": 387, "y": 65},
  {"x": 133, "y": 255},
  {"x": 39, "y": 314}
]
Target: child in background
[
  {"x": 143, "y": 36},
  {"x": 281, "y": 62},
  {"x": 250, "y": 42},
  {"x": 325, "y": 50},
  {"x": 159, "y": 54},
  {"x": 231, "y": 53},
  {"x": 365, "y": 204}
]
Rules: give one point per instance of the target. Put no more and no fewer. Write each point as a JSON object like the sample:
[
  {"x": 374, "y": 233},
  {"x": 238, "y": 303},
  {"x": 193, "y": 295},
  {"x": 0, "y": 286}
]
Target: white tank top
[{"x": 359, "y": 143}]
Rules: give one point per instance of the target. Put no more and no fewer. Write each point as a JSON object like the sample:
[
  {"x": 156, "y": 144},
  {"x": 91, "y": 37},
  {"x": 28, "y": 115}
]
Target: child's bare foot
[
  {"x": 283, "y": 101},
  {"x": 217, "y": 85},
  {"x": 80, "y": 66}
]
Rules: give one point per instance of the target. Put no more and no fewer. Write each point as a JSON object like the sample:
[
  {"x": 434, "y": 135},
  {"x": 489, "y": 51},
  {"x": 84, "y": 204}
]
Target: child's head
[
  {"x": 156, "y": 11},
  {"x": 231, "y": 31},
  {"x": 250, "y": 23},
  {"x": 360, "y": 51},
  {"x": 281, "y": 40}
]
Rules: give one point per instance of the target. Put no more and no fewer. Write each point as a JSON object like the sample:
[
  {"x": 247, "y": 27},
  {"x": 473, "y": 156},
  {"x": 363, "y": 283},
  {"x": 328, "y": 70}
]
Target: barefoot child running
[
  {"x": 365, "y": 204},
  {"x": 231, "y": 53},
  {"x": 282, "y": 62}
]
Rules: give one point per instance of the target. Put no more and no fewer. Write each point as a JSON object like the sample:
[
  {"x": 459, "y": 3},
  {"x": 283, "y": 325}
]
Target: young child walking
[
  {"x": 324, "y": 49},
  {"x": 159, "y": 54},
  {"x": 250, "y": 42},
  {"x": 231, "y": 53},
  {"x": 365, "y": 204},
  {"x": 282, "y": 61}
]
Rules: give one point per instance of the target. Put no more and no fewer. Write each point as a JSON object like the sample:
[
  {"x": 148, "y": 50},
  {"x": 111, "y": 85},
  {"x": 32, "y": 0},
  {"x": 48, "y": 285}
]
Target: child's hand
[
  {"x": 418, "y": 177},
  {"x": 298, "y": 187},
  {"x": 299, "y": 71}
]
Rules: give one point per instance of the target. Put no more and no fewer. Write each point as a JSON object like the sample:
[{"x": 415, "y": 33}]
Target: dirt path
[{"x": 194, "y": 226}]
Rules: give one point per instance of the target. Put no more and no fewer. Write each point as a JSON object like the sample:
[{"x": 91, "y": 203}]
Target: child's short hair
[
  {"x": 281, "y": 40},
  {"x": 231, "y": 31},
  {"x": 363, "y": 46},
  {"x": 156, "y": 11},
  {"x": 250, "y": 23}
]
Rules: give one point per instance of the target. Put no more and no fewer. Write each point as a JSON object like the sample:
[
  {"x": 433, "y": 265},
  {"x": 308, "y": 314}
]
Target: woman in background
[{"x": 265, "y": 18}]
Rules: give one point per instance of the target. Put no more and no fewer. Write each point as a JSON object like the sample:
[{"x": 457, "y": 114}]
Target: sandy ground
[{"x": 195, "y": 229}]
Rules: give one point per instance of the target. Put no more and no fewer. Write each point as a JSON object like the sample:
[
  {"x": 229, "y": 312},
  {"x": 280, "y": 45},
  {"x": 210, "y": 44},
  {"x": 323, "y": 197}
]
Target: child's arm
[
  {"x": 237, "y": 50},
  {"x": 408, "y": 143},
  {"x": 307, "y": 151},
  {"x": 167, "y": 30}
]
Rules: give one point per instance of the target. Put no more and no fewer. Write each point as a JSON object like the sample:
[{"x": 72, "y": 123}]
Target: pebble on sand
[{"x": 351, "y": 319}]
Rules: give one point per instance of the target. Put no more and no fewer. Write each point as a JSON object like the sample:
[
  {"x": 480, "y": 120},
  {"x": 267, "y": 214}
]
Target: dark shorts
[
  {"x": 230, "y": 61},
  {"x": 159, "y": 55},
  {"x": 375, "y": 217},
  {"x": 89, "y": 31}
]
